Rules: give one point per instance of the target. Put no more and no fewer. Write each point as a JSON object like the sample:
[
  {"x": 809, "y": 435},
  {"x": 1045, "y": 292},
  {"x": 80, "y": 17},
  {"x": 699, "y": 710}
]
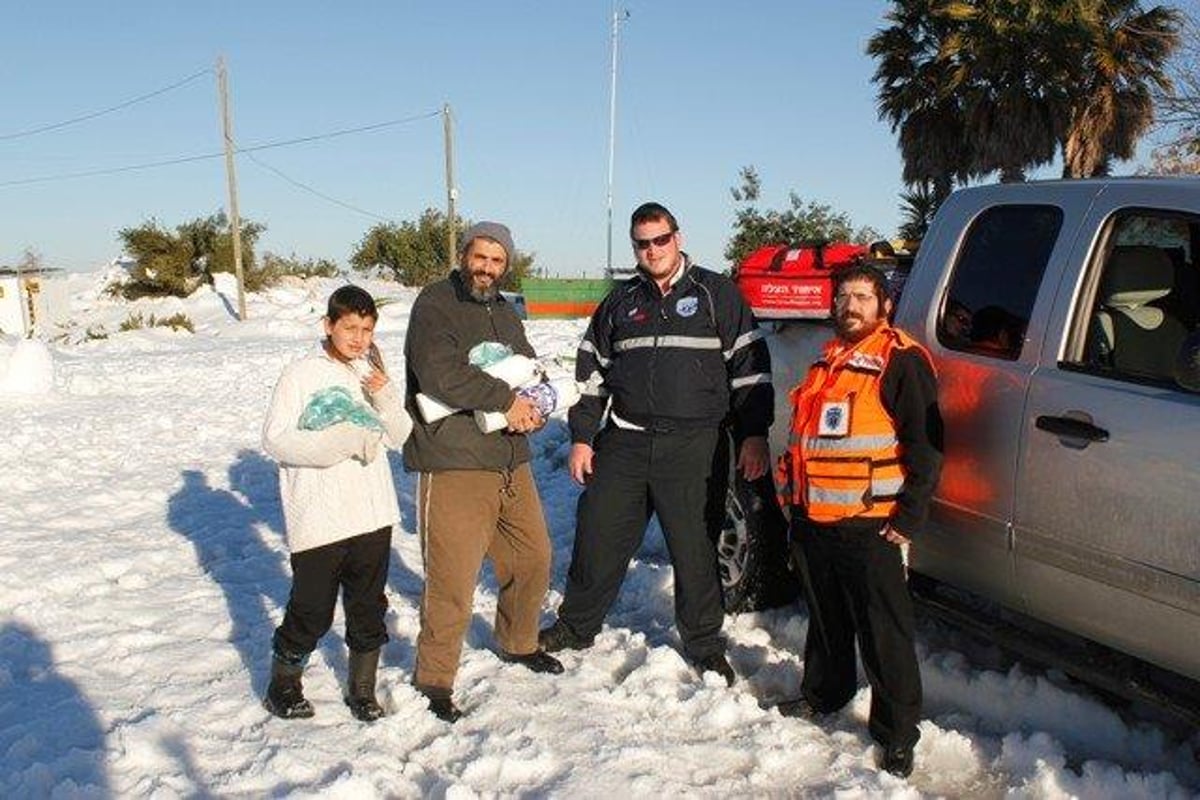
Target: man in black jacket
[
  {"x": 670, "y": 353},
  {"x": 475, "y": 492}
]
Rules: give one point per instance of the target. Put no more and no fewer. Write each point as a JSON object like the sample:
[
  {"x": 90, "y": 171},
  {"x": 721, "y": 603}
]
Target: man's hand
[
  {"x": 753, "y": 458},
  {"x": 894, "y": 536},
  {"x": 579, "y": 462},
  {"x": 523, "y": 416}
]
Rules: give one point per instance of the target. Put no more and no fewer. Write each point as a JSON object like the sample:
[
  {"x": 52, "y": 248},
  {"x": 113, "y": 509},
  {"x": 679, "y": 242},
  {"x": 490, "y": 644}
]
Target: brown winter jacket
[{"x": 446, "y": 322}]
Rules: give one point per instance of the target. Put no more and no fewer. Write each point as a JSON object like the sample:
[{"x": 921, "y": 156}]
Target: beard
[
  {"x": 483, "y": 292},
  {"x": 855, "y": 335}
]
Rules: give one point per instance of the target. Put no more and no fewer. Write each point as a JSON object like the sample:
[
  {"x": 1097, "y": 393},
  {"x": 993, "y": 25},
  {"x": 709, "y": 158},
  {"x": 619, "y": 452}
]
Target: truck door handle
[{"x": 1072, "y": 428}]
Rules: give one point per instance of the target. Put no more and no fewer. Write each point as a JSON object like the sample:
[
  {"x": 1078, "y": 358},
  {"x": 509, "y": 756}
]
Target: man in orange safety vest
[{"x": 863, "y": 458}]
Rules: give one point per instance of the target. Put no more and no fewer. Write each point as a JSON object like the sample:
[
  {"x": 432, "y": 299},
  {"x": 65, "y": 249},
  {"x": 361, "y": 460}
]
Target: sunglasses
[{"x": 662, "y": 240}]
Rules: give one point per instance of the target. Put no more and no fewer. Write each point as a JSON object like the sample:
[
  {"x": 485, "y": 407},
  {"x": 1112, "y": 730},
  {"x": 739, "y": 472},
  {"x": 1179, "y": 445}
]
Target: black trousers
[
  {"x": 636, "y": 474},
  {"x": 358, "y": 566},
  {"x": 860, "y": 594}
]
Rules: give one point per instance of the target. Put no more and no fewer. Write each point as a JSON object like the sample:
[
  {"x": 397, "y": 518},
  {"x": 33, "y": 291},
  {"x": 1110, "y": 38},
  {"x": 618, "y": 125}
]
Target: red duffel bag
[{"x": 794, "y": 281}]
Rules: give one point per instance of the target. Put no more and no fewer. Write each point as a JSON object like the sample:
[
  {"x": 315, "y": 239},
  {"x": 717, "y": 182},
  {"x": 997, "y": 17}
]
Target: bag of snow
[{"x": 334, "y": 404}]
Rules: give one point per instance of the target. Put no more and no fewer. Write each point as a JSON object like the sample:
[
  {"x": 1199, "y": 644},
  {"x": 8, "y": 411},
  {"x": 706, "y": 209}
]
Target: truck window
[
  {"x": 1145, "y": 290},
  {"x": 996, "y": 280}
]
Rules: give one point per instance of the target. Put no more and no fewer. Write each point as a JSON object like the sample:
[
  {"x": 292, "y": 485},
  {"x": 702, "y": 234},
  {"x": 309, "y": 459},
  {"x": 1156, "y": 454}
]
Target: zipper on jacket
[
  {"x": 512, "y": 445},
  {"x": 659, "y": 318}
]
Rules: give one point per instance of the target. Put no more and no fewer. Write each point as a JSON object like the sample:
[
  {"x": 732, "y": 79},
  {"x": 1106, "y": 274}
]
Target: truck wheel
[{"x": 751, "y": 544}]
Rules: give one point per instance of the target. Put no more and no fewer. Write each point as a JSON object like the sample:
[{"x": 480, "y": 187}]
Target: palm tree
[
  {"x": 917, "y": 207},
  {"x": 1006, "y": 70},
  {"x": 965, "y": 90},
  {"x": 976, "y": 87},
  {"x": 1121, "y": 53},
  {"x": 929, "y": 121}
]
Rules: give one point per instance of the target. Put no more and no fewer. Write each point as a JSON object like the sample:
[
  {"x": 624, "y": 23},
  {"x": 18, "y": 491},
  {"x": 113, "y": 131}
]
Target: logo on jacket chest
[
  {"x": 637, "y": 314},
  {"x": 835, "y": 419},
  {"x": 687, "y": 306}
]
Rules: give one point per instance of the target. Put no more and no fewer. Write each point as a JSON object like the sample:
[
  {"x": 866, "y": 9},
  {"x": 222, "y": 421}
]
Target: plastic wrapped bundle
[
  {"x": 547, "y": 396},
  {"x": 333, "y": 405},
  {"x": 512, "y": 369}
]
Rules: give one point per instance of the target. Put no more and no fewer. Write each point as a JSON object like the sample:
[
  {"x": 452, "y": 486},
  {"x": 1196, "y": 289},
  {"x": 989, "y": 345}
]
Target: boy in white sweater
[{"x": 331, "y": 414}]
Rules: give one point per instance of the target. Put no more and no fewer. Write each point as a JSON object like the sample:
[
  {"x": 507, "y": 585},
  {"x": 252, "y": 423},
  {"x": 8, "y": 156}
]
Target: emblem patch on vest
[
  {"x": 835, "y": 419},
  {"x": 865, "y": 362},
  {"x": 687, "y": 306}
]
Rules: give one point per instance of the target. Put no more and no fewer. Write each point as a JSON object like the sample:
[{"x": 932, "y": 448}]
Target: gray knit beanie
[{"x": 490, "y": 230}]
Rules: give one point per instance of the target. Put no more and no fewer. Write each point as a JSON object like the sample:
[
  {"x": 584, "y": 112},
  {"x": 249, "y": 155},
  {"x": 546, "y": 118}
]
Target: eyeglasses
[
  {"x": 841, "y": 298},
  {"x": 662, "y": 240}
]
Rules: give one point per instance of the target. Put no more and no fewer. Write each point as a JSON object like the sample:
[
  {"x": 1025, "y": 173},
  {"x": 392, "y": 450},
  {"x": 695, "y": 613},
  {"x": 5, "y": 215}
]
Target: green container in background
[{"x": 559, "y": 298}]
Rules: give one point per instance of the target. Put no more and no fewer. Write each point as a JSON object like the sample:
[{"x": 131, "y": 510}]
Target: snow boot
[
  {"x": 559, "y": 636},
  {"x": 537, "y": 661},
  {"x": 799, "y": 708},
  {"x": 441, "y": 705},
  {"x": 360, "y": 686},
  {"x": 285, "y": 694},
  {"x": 897, "y": 760},
  {"x": 719, "y": 664}
]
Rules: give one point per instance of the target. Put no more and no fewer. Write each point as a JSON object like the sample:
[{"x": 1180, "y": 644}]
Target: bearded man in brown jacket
[{"x": 476, "y": 494}]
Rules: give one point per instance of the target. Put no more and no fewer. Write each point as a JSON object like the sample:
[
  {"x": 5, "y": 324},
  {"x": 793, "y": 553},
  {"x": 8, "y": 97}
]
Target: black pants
[
  {"x": 860, "y": 592},
  {"x": 358, "y": 566},
  {"x": 637, "y": 473}
]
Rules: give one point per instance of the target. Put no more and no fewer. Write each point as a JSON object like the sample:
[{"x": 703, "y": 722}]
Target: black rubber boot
[
  {"x": 360, "y": 686},
  {"x": 285, "y": 694}
]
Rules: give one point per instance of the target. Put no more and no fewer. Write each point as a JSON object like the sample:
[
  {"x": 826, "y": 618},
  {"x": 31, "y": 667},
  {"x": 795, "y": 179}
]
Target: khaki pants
[{"x": 464, "y": 515}]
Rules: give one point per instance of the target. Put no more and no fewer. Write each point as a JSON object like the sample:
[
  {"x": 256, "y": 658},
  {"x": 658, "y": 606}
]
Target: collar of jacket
[{"x": 684, "y": 271}]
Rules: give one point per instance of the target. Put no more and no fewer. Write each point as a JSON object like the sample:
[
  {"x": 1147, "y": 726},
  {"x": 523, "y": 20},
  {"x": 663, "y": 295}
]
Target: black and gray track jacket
[
  {"x": 671, "y": 362},
  {"x": 445, "y": 323}
]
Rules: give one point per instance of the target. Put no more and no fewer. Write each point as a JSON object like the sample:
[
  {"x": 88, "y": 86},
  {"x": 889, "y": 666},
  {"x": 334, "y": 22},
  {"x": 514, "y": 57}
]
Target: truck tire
[{"x": 750, "y": 536}]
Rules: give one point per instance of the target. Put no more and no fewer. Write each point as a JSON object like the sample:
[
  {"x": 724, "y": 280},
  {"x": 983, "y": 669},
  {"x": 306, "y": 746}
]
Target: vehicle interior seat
[
  {"x": 1184, "y": 301},
  {"x": 1138, "y": 337}
]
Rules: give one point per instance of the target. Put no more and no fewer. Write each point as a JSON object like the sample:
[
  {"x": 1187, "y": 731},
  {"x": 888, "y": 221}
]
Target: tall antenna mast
[
  {"x": 451, "y": 191},
  {"x": 617, "y": 16}
]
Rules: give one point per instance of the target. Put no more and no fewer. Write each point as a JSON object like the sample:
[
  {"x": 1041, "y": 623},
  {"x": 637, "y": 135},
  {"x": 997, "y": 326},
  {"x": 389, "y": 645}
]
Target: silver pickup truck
[{"x": 1064, "y": 321}]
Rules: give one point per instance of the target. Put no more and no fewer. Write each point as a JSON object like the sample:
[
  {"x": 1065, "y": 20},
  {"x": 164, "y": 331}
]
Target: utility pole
[
  {"x": 235, "y": 222},
  {"x": 23, "y": 301},
  {"x": 451, "y": 192},
  {"x": 617, "y": 16}
]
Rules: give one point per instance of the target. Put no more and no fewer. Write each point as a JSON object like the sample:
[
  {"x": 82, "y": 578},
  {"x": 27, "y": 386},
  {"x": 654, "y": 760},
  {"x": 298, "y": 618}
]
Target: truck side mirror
[{"x": 1187, "y": 363}]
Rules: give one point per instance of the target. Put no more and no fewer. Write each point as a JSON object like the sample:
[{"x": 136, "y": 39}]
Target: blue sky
[{"x": 704, "y": 88}]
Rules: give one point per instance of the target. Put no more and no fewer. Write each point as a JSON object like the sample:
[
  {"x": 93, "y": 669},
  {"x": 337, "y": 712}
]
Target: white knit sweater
[{"x": 329, "y": 491}]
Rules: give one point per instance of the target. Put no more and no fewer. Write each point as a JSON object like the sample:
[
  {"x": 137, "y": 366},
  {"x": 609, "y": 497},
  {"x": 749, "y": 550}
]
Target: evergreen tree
[
  {"x": 167, "y": 263},
  {"x": 803, "y": 221},
  {"x": 414, "y": 253}
]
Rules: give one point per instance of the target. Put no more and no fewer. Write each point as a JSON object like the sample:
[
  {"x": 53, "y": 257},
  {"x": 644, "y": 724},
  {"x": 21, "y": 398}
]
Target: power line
[
  {"x": 343, "y": 132},
  {"x": 84, "y": 117},
  {"x": 113, "y": 171},
  {"x": 311, "y": 190},
  {"x": 205, "y": 156}
]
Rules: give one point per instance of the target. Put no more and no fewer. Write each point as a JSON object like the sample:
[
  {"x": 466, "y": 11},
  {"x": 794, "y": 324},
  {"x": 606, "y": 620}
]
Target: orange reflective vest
[{"x": 843, "y": 457}]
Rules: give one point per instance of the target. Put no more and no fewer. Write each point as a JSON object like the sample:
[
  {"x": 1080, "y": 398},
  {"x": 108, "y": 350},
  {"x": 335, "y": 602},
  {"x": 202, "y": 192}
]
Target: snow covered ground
[{"x": 142, "y": 570}]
